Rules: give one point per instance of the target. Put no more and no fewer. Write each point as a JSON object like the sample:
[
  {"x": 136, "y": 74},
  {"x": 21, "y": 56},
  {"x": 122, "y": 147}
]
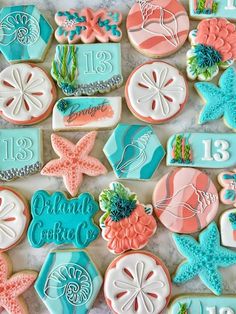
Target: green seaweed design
[
  {"x": 184, "y": 308},
  {"x": 201, "y": 9},
  {"x": 207, "y": 72},
  {"x": 181, "y": 150}
]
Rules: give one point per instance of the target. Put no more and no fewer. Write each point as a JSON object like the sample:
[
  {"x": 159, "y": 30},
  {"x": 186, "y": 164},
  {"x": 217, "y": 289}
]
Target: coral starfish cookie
[
  {"x": 227, "y": 180},
  {"x": 203, "y": 258},
  {"x": 74, "y": 161},
  {"x": 11, "y": 287}
]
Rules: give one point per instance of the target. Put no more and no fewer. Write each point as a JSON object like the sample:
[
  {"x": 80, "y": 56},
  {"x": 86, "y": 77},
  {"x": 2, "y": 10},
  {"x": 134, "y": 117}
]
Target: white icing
[
  {"x": 29, "y": 85},
  {"x": 222, "y": 310},
  {"x": 222, "y": 153},
  {"x": 230, "y": 5},
  {"x": 226, "y": 229},
  {"x": 12, "y": 218},
  {"x": 137, "y": 288},
  {"x": 164, "y": 86}
]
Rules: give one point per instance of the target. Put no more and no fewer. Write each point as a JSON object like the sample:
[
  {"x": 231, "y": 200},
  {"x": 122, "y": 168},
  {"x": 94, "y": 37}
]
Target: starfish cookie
[
  {"x": 74, "y": 161},
  {"x": 11, "y": 287},
  {"x": 203, "y": 258}
]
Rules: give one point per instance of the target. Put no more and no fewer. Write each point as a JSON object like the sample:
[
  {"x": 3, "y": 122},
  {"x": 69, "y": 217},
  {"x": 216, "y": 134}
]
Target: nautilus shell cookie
[
  {"x": 157, "y": 28},
  {"x": 25, "y": 34},
  {"x": 137, "y": 283},
  {"x": 68, "y": 282},
  {"x": 27, "y": 94},
  {"x": 134, "y": 151},
  {"x": 156, "y": 92},
  {"x": 185, "y": 200}
]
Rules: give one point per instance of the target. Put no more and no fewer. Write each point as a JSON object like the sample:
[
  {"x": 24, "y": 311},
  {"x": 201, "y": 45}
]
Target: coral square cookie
[
  {"x": 228, "y": 228},
  {"x": 227, "y": 180},
  {"x": 137, "y": 283},
  {"x": 157, "y": 28},
  {"x": 156, "y": 92}
]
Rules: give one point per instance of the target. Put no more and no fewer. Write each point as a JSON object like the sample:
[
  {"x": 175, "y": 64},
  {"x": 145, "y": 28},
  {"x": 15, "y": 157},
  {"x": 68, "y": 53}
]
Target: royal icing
[
  {"x": 157, "y": 28},
  {"x": 228, "y": 227},
  {"x": 88, "y": 26},
  {"x": 227, "y": 180},
  {"x": 137, "y": 283},
  {"x": 25, "y": 33},
  {"x": 86, "y": 113},
  {"x": 68, "y": 282},
  {"x": 27, "y": 94},
  {"x": 12, "y": 286},
  {"x": 203, "y": 258},
  {"x": 126, "y": 224},
  {"x": 156, "y": 92},
  {"x": 134, "y": 151},
  {"x": 185, "y": 200},
  {"x": 87, "y": 69},
  {"x": 213, "y": 47},
  {"x": 20, "y": 152},
  {"x": 201, "y": 150},
  {"x": 74, "y": 161}
]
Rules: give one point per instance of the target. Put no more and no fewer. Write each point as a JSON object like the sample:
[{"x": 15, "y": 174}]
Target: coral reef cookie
[
  {"x": 87, "y": 69},
  {"x": 137, "y": 283},
  {"x": 86, "y": 113},
  {"x": 20, "y": 152},
  {"x": 213, "y": 47},
  {"x": 27, "y": 94},
  {"x": 227, "y": 180},
  {"x": 185, "y": 200},
  {"x": 228, "y": 228},
  {"x": 220, "y": 101},
  {"x": 25, "y": 33},
  {"x": 88, "y": 26},
  {"x": 12, "y": 286},
  {"x": 157, "y": 28},
  {"x": 61, "y": 221},
  {"x": 74, "y": 161},
  {"x": 156, "y": 92},
  {"x": 126, "y": 224},
  {"x": 204, "y": 258},
  {"x": 134, "y": 151},
  {"x": 68, "y": 282}
]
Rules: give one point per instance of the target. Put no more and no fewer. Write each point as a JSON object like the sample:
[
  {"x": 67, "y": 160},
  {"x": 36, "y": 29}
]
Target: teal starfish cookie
[
  {"x": 220, "y": 101},
  {"x": 204, "y": 258}
]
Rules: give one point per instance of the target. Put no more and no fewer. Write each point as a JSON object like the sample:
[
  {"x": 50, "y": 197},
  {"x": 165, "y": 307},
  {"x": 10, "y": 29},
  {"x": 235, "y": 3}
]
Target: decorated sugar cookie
[
  {"x": 134, "y": 151},
  {"x": 86, "y": 113},
  {"x": 88, "y": 26},
  {"x": 204, "y": 258},
  {"x": 25, "y": 33},
  {"x": 27, "y": 94},
  {"x": 68, "y": 282},
  {"x": 137, "y": 283},
  {"x": 213, "y": 47},
  {"x": 87, "y": 69},
  {"x": 74, "y": 161},
  {"x": 228, "y": 227},
  {"x": 157, "y": 28},
  {"x": 126, "y": 224},
  {"x": 12, "y": 286},
  {"x": 156, "y": 92},
  {"x": 227, "y": 180},
  {"x": 185, "y": 200}
]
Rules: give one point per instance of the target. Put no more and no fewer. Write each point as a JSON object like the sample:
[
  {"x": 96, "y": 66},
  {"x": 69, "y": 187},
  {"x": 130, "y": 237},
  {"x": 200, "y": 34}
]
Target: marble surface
[{"x": 161, "y": 244}]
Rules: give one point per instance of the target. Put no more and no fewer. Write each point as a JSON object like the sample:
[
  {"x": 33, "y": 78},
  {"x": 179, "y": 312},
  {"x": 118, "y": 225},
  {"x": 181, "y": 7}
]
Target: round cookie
[
  {"x": 157, "y": 28},
  {"x": 156, "y": 92},
  {"x": 185, "y": 200}
]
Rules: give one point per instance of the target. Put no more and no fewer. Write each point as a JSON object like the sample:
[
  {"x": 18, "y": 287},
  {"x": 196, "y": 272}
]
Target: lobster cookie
[
  {"x": 156, "y": 92},
  {"x": 137, "y": 283},
  {"x": 88, "y": 26},
  {"x": 27, "y": 94},
  {"x": 185, "y": 200},
  {"x": 227, "y": 180},
  {"x": 157, "y": 28},
  {"x": 126, "y": 224}
]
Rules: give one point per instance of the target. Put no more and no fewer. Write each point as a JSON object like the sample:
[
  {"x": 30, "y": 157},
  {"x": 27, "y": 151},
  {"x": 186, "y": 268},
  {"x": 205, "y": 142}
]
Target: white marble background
[{"x": 161, "y": 244}]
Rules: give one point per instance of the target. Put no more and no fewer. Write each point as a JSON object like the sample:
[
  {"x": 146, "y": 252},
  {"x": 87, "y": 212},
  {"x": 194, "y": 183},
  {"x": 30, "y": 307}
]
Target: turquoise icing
[
  {"x": 209, "y": 150},
  {"x": 221, "y": 11},
  {"x": 59, "y": 220},
  {"x": 206, "y": 56},
  {"x": 68, "y": 282},
  {"x": 25, "y": 33},
  {"x": 134, "y": 151},
  {"x": 203, "y": 258}
]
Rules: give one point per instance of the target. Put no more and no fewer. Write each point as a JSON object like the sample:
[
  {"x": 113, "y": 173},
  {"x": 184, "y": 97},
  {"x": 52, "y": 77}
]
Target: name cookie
[
  {"x": 227, "y": 180},
  {"x": 86, "y": 113},
  {"x": 201, "y": 150},
  {"x": 228, "y": 227},
  {"x": 87, "y": 69}
]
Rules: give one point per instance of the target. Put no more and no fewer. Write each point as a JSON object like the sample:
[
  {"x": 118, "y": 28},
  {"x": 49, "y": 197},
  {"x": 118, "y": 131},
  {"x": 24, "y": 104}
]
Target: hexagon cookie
[
  {"x": 68, "y": 282},
  {"x": 25, "y": 34},
  {"x": 134, "y": 151}
]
